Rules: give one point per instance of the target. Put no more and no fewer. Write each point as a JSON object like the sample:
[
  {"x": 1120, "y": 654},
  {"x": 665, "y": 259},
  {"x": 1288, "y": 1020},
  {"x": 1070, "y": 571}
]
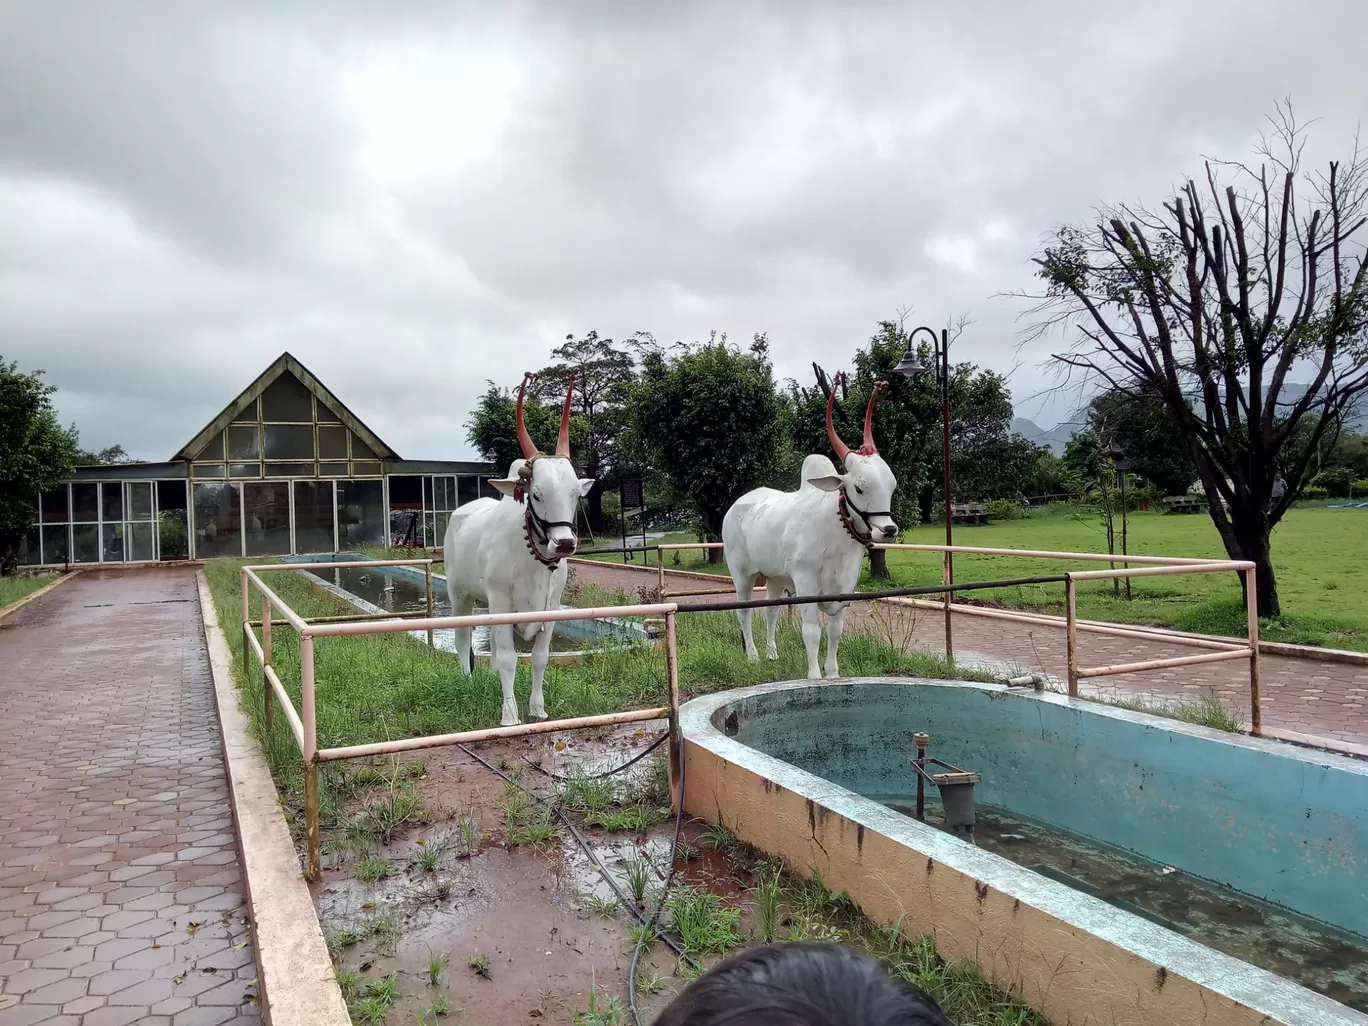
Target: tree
[
  {"x": 707, "y": 417},
  {"x": 602, "y": 372},
  {"x": 1211, "y": 303},
  {"x": 1140, "y": 425},
  {"x": 492, "y": 427},
  {"x": 112, "y": 455},
  {"x": 35, "y": 454},
  {"x": 1091, "y": 474}
]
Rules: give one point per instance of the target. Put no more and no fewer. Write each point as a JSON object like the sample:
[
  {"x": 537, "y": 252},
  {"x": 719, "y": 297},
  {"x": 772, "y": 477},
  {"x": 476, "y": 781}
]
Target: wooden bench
[
  {"x": 969, "y": 512},
  {"x": 1185, "y": 503}
]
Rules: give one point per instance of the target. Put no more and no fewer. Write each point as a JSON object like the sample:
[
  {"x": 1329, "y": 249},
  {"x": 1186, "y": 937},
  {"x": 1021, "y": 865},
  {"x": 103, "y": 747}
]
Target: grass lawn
[
  {"x": 1320, "y": 556},
  {"x": 12, "y": 589}
]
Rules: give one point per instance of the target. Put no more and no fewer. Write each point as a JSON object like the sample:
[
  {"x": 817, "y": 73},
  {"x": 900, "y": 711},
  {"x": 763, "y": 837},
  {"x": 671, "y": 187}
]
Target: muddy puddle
[
  {"x": 527, "y": 932},
  {"x": 1310, "y": 953}
]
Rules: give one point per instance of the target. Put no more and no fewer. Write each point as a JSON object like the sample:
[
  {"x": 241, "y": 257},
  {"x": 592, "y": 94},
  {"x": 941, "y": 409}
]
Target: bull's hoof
[
  {"x": 537, "y": 712},
  {"x": 510, "y": 715}
]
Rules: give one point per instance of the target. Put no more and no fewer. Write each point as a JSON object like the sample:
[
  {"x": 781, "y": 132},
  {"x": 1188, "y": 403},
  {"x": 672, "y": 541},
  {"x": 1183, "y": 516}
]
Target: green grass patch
[
  {"x": 12, "y": 589},
  {"x": 1320, "y": 557}
]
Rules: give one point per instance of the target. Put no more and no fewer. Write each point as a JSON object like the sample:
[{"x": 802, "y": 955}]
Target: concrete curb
[
  {"x": 298, "y": 986},
  {"x": 33, "y": 596}
]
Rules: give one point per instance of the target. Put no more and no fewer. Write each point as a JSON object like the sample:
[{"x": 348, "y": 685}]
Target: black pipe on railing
[{"x": 868, "y": 596}]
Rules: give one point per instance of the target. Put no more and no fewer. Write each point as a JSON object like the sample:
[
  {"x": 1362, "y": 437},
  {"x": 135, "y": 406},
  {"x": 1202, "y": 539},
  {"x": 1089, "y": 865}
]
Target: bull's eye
[
  {"x": 859, "y": 490},
  {"x": 536, "y": 494}
]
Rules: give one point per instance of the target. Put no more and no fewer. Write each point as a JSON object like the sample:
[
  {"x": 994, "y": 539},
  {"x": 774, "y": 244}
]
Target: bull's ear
[
  {"x": 505, "y": 485},
  {"x": 827, "y": 482},
  {"x": 586, "y": 485}
]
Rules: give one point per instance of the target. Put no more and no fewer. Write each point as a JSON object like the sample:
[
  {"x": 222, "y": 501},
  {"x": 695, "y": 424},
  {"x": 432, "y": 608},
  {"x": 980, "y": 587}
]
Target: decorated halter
[
  {"x": 845, "y": 505},
  {"x": 536, "y": 528}
]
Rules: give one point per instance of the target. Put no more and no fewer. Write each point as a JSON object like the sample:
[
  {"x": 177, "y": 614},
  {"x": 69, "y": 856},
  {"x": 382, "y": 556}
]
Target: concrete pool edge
[{"x": 1075, "y": 958}]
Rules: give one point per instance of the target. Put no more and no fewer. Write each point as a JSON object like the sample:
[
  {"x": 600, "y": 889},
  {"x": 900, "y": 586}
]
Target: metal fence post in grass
[
  {"x": 428, "y": 572},
  {"x": 660, "y": 568},
  {"x": 1252, "y": 608},
  {"x": 1071, "y": 625},
  {"x": 267, "y": 659},
  {"x": 676, "y": 746},
  {"x": 310, "y": 751}
]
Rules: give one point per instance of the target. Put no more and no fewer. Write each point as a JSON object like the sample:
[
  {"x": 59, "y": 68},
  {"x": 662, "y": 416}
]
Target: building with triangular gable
[{"x": 286, "y": 468}]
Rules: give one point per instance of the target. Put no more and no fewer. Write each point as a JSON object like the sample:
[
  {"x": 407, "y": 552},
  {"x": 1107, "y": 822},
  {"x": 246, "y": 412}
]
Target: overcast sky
[{"x": 416, "y": 197}]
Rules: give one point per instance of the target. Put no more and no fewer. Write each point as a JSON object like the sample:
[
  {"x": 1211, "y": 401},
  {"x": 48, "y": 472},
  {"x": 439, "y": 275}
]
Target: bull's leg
[
  {"x": 745, "y": 587},
  {"x": 463, "y": 605},
  {"x": 505, "y": 659},
  {"x": 541, "y": 655},
  {"x": 812, "y": 637},
  {"x": 773, "y": 590},
  {"x": 835, "y": 623}
]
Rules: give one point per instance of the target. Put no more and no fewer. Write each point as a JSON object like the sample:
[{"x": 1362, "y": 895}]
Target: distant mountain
[{"x": 1055, "y": 438}]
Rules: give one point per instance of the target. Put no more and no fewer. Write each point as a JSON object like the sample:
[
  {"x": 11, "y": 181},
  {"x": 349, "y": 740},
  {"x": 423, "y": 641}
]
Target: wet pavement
[
  {"x": 1309, "y": 696},
  {"x": 121, "y": 899}
]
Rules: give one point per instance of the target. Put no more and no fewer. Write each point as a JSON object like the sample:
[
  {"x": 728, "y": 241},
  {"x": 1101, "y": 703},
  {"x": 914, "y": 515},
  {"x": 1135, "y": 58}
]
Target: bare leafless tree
[{"x": 1244, "y": 280}]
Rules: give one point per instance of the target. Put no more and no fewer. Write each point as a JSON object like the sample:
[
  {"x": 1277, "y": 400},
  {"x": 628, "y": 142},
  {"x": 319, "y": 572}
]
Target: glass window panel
[
  {"x": 138, "y": 500},
  {"x": 244, "y": 443},
  {"x": 365, "y": 469},
  {"x": 85, "y": 543},
  {"x": 218, "y": 520},
  {"x": 30, "y": 554},
  {"x": 173, "y": 539},
  {"x": 427, "y": 493},
  {"x": 244, "y": 470},
  {"x": 467, "y": 490},
  {"x": 56, "y": 545},
  {"x": 439, "y": 529},
  {"x": 289, "y": 442},
  {"x": 443, "y": 494},
  {"x": 85, "y": 502},
  {"x": 313, "y": 513},
  {"x": 170, "y": 495},
  {"x": 266, "y": 508},
  {"x": 361, "y": 451},
  {"x": 332, "y": 442},
  {"x": 139, "y": 539},
  {"x": 213, "y": 450},
  {"x": 209, "y": 470},
  {"x": 53, "y": 506},
  {"x": 112, "y": 501},
  {"x": 290, "y": 469},
  {"x": 406, "y": 527},
  {"x": 360, "y": 513},
  {"x": 286, "y": 399},
  {"x": 406, "y": 491},
  {"x": 112, "y": 550},
  {"x": 332, "y": 470},
  {"x": 247, "y": 415},
  {"x": 325, "y": 415}
]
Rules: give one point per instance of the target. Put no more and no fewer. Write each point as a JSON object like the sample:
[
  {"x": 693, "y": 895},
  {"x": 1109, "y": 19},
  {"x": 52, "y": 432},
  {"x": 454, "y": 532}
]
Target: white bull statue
[
  {"x": 812, "y": 541},
  {"x": 509, "y": 554}
]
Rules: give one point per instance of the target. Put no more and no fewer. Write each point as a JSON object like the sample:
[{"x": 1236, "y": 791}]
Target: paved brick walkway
[
  {"x": 120, "y": 892},
  {"x": 1304, "y": 695}
]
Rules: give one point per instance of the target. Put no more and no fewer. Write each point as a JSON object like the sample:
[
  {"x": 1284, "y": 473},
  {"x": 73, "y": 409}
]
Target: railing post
[
  {"x": 267, "y": 659},
  {"x": 948, "y": 578},
  {"x": 660, "y": 569},
  {"x": 310, "y": 753},
  {"x": 428, "y": 570},
  {"x": 1252, "y": 607},
  {"x": 246, "y": 628},
  {"x": 676, "y": 742},
  {"x": 1071, "y": 623}
]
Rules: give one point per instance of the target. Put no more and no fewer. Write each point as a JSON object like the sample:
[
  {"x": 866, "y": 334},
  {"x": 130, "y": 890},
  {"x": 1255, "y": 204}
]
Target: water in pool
[
  {"x": 1317, "y": 956},
  {"x": 396, "y": 593}
]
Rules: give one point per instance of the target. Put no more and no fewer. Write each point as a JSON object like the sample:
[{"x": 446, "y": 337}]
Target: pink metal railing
[{"x": 304, "y": 722}]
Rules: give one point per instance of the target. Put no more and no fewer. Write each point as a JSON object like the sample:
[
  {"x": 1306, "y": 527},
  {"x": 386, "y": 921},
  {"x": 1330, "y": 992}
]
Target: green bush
[
  {"x": 1004, "y": 509},
  {"x": 1314, "y": 492},
  {"x": 1335, "y": 480},
  {"x": 1360, "y": 488}
]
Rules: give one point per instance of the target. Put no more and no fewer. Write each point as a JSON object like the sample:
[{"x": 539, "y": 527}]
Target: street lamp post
[{"x": 911, "y": 367}]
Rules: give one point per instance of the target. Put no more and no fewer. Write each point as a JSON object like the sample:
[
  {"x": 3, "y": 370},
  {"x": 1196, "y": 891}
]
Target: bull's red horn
[
  {"x": 869, "y": 448},
  {"x": 842, "y": 450},
  {"x": 563, "y": 439},
  {"x": 524, "y": 439}
]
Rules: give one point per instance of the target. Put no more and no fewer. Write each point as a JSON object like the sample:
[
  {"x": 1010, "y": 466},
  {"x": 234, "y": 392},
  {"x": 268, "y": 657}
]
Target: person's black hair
[{"x": 801, "y": 984}]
